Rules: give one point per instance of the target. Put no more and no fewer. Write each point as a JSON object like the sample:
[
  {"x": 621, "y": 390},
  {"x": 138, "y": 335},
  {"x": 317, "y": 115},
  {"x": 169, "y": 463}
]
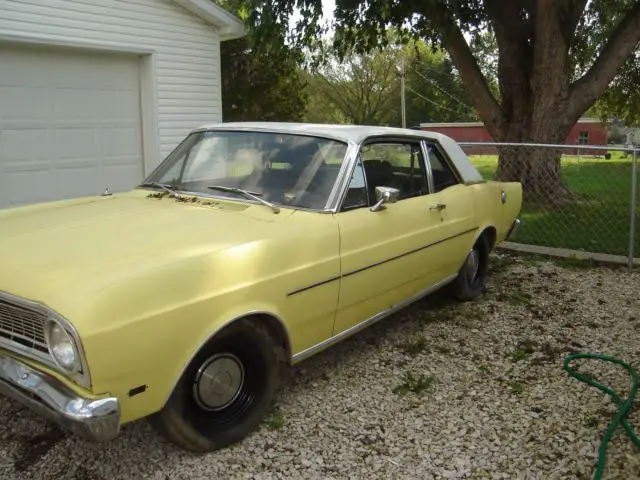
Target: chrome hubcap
[
  {"x": 218, "y": 382},
  {"x": 473, "y": 263}
]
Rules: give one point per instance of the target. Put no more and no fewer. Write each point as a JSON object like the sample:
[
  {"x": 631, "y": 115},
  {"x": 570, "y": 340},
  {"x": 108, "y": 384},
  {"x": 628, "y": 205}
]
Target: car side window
[
  {"x": 387, "y": 164},
  {"x": 356, "y": 196},
  {"x": 443, "y": 175}
]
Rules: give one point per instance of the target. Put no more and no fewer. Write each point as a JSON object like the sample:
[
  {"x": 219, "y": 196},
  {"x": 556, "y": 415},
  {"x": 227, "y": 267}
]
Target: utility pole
[{"x": 403, "y": 105}]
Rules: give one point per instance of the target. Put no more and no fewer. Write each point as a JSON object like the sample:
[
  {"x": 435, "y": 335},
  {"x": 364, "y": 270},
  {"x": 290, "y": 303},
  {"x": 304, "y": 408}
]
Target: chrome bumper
[
  {"x": 95, "y": 420},
  {"x": 514, "y": 227}
]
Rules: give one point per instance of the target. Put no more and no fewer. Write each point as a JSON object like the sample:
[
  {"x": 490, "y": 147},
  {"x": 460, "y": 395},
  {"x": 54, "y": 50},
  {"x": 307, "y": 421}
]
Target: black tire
[
  {"x": 246, "y": 349},
  {"x": 471, "y": 282}
]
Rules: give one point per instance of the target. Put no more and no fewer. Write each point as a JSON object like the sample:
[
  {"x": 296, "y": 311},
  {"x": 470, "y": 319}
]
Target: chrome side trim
[
  {"x": 427, "y": 161},
  {"x": 83, "y": 377},
  {"x": 341, "y": 185},
  {"x": 381, "y": 262},
  {"x": 303, "y": 355},
  {"x": 93, "y": 419}
]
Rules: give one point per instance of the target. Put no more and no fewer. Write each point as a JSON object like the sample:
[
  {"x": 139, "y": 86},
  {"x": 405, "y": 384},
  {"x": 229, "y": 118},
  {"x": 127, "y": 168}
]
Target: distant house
[
  {"x": 95, "y": 93},
  {"x": 587, "y": 131}
]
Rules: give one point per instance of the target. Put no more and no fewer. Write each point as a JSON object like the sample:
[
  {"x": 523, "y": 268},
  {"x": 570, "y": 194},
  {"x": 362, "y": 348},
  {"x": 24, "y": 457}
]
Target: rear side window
[{"x": 443, "y": 175}]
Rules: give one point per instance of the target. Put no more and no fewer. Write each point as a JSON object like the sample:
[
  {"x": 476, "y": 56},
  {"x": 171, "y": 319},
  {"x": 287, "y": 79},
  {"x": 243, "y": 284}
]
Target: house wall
[{"x": 179, "y": 55}]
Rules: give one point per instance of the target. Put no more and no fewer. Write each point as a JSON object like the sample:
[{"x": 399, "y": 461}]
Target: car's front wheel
[
  {"x": 224, "y": 392},
  {"x": 472, "y": 277}
]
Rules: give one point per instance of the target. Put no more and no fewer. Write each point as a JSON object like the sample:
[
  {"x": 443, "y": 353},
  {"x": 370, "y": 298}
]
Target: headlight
[{"x": 61, "y": 346}]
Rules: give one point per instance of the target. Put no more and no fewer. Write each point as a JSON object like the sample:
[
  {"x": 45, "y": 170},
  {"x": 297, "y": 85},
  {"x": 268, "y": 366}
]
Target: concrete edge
[{"x": 599, "y": 258}]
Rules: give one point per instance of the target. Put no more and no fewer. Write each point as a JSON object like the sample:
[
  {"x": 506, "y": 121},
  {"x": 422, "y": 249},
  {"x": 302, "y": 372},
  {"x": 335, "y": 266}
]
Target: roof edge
[
  {"x": 481, "y": 124},
  {"x": 229, "y": 26}
]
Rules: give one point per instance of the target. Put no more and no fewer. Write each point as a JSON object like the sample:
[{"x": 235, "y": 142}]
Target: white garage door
[{"x": 69, "y": 124}]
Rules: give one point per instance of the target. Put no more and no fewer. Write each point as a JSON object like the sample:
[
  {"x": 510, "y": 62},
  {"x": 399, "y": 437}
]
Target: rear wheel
[
  {"x": 472, "y": 277},
  {"x": 224, "y": 392}
]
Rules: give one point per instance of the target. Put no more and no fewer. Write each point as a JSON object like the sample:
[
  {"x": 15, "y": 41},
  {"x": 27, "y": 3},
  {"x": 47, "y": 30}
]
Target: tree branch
[
  {"x": 515, "y": 55},
  {"x": 585, "y": 91},
  {"x": 457, "y": 46},
  {"x": 572, "y": 16}
]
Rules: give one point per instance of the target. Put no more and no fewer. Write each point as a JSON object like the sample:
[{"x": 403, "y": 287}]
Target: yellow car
[{"x": 250, "y": 248}]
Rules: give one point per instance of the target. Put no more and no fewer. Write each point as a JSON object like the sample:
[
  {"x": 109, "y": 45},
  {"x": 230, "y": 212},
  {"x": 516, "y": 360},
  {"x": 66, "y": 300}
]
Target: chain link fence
[{"x": 578, "y": 197}]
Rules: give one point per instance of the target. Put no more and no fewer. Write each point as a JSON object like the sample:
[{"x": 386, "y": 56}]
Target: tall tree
[
  {"x": 261, "y": 72},
  {"x": 555, "y": 59},
  {"x": 360, "y": 85}
]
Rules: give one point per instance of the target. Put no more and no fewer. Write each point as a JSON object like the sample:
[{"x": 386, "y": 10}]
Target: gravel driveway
[{"x": 440, "y": 390}]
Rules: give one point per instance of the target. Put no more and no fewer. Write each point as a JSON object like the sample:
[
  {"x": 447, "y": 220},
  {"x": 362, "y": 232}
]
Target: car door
[
  {"x": 451, "y": 205},
  {"x": 387, "y": 256}
]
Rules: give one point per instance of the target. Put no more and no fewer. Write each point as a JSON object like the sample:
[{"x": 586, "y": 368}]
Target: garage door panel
[
  {"x": 75, "y": 179},
  {"x": 120, "y": 177},
  {"x": 119, "y": 142},
  {"x": 70, "y": 123},
  {"x": 78, "y": 105},
  {"x": 70, "y": 143},
  {"x": 23, "y": 103},
  {"x": 23, "y": 145},
  {"x": 118, "y": 105},
  {"x": 29, "y": 185},
  {"x": 22, "y": 68}
]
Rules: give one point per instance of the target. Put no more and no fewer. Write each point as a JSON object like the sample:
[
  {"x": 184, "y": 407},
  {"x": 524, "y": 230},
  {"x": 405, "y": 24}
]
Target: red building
[{"x": 587, "y": 131}]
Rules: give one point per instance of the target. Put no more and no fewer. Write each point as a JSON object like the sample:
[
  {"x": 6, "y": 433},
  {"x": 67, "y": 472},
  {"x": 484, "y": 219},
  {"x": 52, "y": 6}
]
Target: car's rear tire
[
  {"x": 225, "y": 391},
  {"x": 472, "y": 277}
]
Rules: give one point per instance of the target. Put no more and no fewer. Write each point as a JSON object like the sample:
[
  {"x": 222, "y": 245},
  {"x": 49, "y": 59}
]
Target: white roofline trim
[{"x": 229, "y": 26}]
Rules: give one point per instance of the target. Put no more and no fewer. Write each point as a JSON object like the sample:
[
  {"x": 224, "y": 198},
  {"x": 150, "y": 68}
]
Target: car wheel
[
  {"x": 471, "y": 280},
  {"x": 225, "y": 391}
]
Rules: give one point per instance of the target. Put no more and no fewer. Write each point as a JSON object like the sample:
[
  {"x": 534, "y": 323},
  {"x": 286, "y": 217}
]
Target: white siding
[{"x": 185, "y": 48}]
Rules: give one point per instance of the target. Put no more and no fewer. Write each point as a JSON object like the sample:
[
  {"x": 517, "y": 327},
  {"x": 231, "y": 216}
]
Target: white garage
[{"x": 94, "y": 94}]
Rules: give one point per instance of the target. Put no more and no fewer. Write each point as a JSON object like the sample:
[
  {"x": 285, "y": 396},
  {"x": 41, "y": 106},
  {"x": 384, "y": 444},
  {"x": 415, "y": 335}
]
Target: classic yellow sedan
[{"x": 250, "y": 248}]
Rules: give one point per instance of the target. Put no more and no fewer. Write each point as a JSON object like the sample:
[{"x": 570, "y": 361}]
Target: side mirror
[{"x": 385, "y": 195}]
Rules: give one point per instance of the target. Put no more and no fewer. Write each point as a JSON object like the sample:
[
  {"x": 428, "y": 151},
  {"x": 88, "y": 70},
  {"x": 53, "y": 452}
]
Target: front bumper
[
  {"x": 93, "y": 419},
  {"x": 513, "y": 228}
]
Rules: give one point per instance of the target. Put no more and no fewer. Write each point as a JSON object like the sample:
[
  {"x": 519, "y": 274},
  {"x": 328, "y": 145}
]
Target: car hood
[{"x": 88, "y": 244}]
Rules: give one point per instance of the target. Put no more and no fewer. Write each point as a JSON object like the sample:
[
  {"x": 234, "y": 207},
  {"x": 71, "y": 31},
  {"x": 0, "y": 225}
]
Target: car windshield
[{"x": 290, "y": 170}]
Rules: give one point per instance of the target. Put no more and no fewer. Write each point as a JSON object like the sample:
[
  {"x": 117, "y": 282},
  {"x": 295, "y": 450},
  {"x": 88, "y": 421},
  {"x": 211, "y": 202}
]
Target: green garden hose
[{"x": 625, "y": 406}]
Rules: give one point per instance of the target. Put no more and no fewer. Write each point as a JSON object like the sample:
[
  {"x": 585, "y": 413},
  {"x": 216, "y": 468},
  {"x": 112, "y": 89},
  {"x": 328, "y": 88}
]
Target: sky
[{"x": 327, "y": 10}]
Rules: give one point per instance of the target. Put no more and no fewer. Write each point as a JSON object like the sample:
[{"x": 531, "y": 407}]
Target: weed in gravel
[
  {"x": 519, "y": 355},
  {"x": 481, "y": 473},
  {"x": 515, "y": 297},
  {"x": 575, "y": 263},
  {"x": 415, "y": 346},
  {"x": 275, "y": 419},
  {"x": 499, "y": 264},
  {"x": 484, "y": 369},
  {"x": 591, "y": 422},
  {"x": 412, "y": 384},
  {"x": 533, "y": 260},
  {"x": 516, "y": 387}
]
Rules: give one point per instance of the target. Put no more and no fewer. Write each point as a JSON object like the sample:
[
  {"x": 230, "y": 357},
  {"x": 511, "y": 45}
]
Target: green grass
[{"x": 598, "y": 221}]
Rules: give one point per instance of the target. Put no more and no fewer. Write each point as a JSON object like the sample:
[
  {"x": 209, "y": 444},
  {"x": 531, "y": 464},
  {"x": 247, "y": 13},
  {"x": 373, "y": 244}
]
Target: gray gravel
[{"x": 492, "y": 400}]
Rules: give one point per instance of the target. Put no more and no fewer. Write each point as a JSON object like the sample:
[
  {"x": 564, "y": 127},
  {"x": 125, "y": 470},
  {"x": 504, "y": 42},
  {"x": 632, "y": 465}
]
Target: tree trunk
[
  {"x": 537, "y": 168},
  {"x": 539, "y": 171}
]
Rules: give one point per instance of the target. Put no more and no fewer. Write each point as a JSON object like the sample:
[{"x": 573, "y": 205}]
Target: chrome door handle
[{"x": 438, "y": 206}]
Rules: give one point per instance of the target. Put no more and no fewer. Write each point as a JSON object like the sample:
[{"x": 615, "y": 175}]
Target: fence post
[{"x": 634, "y": 201}]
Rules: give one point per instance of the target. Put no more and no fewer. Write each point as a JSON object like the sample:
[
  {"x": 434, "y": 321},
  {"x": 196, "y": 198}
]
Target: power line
[
  {"x": 443, "y": 91},
  {"x": 431, "y": 101}
]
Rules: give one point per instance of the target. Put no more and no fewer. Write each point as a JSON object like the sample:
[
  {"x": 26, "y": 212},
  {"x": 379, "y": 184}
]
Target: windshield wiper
[
  {"x": 248, "y": 194},
  {"x": 167, "y": 188}
]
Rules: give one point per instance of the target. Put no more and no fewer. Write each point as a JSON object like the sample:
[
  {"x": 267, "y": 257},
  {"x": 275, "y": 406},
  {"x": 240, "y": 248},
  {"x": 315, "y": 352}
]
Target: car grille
[{"x": 22, "y": 327}]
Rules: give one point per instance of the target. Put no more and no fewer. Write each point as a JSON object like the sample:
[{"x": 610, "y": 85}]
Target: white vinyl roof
[{"x": 356, "y": 134}]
